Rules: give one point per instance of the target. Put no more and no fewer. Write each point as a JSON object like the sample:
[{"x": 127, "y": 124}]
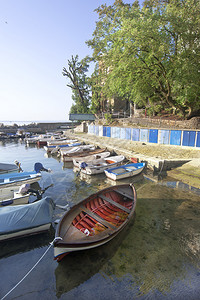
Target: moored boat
[
  {"x": 17, "y": 195},
  {"x": 61, "y": 142},
  {"x": 9, "y": 179},
  {"x": 18, "y": 178},
  {"x": 78, "y": 160},
  {"x": 98, "y": 166},
  {"x": 95, "y": 220},
  {"x": 82, "y": 150},
  {"x": 125, "y": 171},
  {"x": 83, "y": 153},
  {"x": 54, "y": 149},
  {"x": 13, "y": 197},
  {"x": 22, "y": 220}
]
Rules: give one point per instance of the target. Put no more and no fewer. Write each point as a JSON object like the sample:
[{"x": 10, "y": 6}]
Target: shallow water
[{"x": 157, "y": 257}]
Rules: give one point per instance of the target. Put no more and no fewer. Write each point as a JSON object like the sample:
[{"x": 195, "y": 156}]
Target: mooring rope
[
  {"x": 141, "y": 186},
  {"x": 51, "y": 244}
]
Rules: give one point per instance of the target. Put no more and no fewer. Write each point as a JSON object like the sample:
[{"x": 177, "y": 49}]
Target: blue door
[
  {"x": 97, "y": 130},
  {"x": 175, "y": 137},
  {"x": 118, "y": 130},
  {"x": 143, "y": 135},
  {"x": 189, "y": 138},
  {"x": 128, "y": 133},
  {"x": 108, "y": 131},
  {"x": 135, "y": 134},
  {"x": 123, "y": 133},
  {"x": 163, "y": 137},
  {"x": 113, "y": 132},
  {"x": 198, "y": 139},
  {"x": 153, "y": 135}
]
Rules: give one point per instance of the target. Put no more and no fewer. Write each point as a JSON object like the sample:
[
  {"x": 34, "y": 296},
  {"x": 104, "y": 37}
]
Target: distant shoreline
[{"x": 22, "y": 123}]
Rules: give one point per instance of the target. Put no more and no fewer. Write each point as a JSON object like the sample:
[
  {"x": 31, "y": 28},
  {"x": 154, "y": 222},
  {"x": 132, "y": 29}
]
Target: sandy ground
[{"x": 188, "y": 173}]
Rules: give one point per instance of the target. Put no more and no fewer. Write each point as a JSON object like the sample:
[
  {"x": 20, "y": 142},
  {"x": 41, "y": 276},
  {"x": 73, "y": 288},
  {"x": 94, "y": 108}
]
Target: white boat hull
[
  {"x": 98, "y": 167},
  {"x": 78, "y": 160},
  {"x": 124, "y": 171},
  {"x": 18, "y": 183},
  {"x": 25, "y": 232}
]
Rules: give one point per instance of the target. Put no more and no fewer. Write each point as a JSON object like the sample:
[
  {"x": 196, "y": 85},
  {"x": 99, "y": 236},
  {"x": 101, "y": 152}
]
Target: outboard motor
[
  {"x": 38, "y": 167},
  {"x": 83, "y": 165}
]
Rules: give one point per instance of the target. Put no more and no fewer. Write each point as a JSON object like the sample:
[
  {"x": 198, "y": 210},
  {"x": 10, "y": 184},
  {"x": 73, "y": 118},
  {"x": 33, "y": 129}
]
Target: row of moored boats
[{"x": 91, "y": 223}]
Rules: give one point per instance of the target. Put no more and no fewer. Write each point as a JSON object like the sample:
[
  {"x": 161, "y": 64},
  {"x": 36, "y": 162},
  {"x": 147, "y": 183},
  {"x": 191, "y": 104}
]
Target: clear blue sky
[{"x": 37, "y": 37}]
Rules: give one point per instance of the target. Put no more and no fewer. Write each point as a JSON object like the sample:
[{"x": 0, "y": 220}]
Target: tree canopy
[{"x": 148, "y": 54}]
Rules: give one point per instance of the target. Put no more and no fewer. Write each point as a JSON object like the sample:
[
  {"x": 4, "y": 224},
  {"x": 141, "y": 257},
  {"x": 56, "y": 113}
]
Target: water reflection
[{"x": 25, "y": 244}]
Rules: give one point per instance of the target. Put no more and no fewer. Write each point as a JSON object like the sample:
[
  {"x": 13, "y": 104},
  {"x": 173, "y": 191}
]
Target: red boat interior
[{"x": 108, "y": 210}]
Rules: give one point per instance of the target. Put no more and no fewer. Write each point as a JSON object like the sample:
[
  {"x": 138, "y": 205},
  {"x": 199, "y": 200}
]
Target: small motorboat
[
  {"x": 61, "y": 142},
  {"x": 26, "y": 193},
  {"x": 31, "y": 140},
  {"x": 125, "y": 171},
  {"x": 55, "y": 148},
  {"x": 98, "y": 166},
  {"x": 13, "y": 197},
  {"x": 95, "y": 220},
  {"x": 9, "y": 179},
  {"x": 22, "y": 220},
  {"x": 78, "y": 160}
]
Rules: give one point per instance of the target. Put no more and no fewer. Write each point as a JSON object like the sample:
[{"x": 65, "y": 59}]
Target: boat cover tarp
[
  {"x": 19, "y": 217},
  {"x": 7, "y": 167}
]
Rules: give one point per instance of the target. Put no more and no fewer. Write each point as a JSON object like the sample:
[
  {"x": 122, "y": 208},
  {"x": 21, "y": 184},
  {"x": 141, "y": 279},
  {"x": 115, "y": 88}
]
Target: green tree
[
  {"x": 79, "y": 83},
  {"x": 149, "y": 54}
]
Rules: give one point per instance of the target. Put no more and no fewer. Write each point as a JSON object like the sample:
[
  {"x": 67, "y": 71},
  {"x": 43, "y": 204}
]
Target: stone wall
[{"x": 193, "y": 123}]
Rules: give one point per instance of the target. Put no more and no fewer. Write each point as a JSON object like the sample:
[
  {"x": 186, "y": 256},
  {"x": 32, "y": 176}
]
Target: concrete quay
[{"x": 180, "y": 163}]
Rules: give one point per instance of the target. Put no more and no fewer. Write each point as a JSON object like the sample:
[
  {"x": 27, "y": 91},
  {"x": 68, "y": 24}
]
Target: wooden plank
[
  {"x": 114, "y": 203},
  {"x": 124, "y": 194},
  {"x": 97, "y": 218}
]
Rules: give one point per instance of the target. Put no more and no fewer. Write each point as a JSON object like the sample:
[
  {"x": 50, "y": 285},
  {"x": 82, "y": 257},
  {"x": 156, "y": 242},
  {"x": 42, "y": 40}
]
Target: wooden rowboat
[
  {"x": 95, "y": 220},
  {"x": 125, "y": 171},
  {"x": 79, "y": 152}
]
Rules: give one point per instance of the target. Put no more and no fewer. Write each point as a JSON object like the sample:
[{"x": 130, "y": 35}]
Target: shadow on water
[
  {"x": 77, "y": 267},
  {"x": 25, "y": 244}
]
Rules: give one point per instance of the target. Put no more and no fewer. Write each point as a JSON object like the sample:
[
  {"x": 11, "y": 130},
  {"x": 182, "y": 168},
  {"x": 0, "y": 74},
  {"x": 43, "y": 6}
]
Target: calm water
[{"x": 157, "y": 257}]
